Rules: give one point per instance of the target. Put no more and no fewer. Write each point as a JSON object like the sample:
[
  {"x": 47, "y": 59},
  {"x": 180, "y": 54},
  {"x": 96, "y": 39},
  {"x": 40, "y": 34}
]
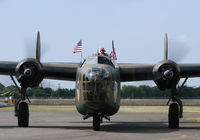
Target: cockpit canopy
[{"x": 98, "y": 60}]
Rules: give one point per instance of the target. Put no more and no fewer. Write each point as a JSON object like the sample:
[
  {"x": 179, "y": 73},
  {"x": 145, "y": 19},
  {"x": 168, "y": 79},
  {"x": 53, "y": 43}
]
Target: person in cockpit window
[{"x": 103, "y": 53}]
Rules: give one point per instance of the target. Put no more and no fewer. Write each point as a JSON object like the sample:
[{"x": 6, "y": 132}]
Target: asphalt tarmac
[{"x": 64, "y": 125}]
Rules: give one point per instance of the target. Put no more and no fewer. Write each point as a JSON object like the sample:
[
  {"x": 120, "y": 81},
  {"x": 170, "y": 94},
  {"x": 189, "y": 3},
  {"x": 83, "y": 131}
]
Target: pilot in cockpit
[{"x": 103, "y": 53}]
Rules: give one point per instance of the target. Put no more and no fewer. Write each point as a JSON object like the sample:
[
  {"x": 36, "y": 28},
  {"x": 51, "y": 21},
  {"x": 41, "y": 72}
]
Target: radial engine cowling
[
  {"x": 29, "y": 72},
  {"x": 166, "y": 74}
]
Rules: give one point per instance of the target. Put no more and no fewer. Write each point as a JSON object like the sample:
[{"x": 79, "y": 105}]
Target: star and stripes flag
[
  {"x": 114, "y": 57},
  {"x": 78, "y": 47}
]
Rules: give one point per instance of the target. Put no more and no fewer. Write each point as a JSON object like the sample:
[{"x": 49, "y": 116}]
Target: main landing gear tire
[
  {"x": 23, "y": 116},
  {"x": 173, "y": 116},
  {"x": 96, "y": 122}
]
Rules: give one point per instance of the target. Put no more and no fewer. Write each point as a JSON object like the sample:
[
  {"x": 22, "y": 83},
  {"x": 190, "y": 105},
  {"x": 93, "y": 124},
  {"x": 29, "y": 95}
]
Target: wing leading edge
[
  {"x": 58, "y": 71},
  {"x": 128, "y": 72},
  {"x": 139, "y": 72},
  {"x": 135, "y": 72}
]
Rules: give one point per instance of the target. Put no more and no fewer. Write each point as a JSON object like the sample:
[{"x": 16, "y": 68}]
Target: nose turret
[
  {"x": 96, "y": 74},
  {"x": 95, "y": 83}
]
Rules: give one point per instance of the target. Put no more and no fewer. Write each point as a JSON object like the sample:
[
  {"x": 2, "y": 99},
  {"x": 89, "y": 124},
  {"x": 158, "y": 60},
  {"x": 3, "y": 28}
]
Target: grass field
[
  {"x": 194, "y": 119},
  {"x": 131, "y": 109},
  {"x": 127, "y": 109}
]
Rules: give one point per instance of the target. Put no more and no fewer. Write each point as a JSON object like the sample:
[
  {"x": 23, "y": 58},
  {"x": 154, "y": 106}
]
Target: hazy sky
[{"x": 137, "y": 26}]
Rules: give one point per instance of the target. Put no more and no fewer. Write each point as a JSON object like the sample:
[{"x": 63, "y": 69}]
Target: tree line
[
  {"x": 127, "y": 92},
  {"x": 153, "y": 92}
]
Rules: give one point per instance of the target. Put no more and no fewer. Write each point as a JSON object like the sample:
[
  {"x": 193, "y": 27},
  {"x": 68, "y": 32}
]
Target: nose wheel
[{"x": 96, "y": 122}]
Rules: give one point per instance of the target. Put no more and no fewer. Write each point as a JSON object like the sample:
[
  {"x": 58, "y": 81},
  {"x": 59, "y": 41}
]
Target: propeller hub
[
  {"x": 27, "y": 72},
  {"x": 168, "y": 74}
]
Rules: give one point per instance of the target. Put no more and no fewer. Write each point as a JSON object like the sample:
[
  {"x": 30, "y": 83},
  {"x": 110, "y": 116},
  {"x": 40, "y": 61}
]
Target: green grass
[
  {"x": 194, "y": 119},
  {"x": 157, "y": 109},
  {"x": 144, "y": 109},
  {"x": 46, "y": 107},
  {"x": 130, "y": 109}
]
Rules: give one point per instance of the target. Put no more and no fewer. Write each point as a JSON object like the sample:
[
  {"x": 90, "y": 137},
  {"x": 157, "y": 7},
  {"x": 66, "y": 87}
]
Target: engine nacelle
[
  {"x": 166, "y": 74},
  {"x": 29, "y": 72}
]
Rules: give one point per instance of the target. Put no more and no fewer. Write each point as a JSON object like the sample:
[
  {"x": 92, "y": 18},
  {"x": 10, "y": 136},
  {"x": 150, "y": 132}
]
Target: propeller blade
[
  {"x": 30, "y": 48},
  {"x": 178, "y": 50},
  {"x": 38, "y": 48},
  {"x": 166, "y": 47}
]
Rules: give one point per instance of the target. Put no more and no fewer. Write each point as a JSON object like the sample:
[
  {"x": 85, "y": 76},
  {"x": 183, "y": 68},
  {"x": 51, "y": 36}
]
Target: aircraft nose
[
  {"x": 97, "y": 74},
  {"x": 96, "y": 81}
]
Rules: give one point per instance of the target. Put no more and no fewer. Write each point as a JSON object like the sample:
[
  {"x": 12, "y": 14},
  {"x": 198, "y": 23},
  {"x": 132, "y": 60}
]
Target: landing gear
[
  {"x": 23, "y": 110},
  {"x": 23, "y": 115},
  {"x": 96, "y": 122},
  {"x": 173, "y": 116},
  {"x": 175, "y": 108},
  {"x": 21, "y": 107}
]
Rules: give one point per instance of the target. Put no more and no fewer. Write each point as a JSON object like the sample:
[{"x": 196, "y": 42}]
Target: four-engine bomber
[{"x": 98, "y": 81}]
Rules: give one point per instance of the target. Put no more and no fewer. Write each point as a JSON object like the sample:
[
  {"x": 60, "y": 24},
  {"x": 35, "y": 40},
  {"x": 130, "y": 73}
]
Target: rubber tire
[
  {"x": 23, "y": 116},
  {"x": 173, "y": 116},
  {"x": 96, "y": 122}
]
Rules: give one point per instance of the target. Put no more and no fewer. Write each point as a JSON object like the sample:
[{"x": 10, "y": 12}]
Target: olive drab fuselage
[{"x": 97, "y": 87}]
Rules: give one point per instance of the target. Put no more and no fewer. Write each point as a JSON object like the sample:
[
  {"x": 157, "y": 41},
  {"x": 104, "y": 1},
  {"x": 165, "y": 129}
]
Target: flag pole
[
  {"x": 81, "y": 51},
  {"x": 78, "y": 48},
  {"x": 81, "y": 56}
]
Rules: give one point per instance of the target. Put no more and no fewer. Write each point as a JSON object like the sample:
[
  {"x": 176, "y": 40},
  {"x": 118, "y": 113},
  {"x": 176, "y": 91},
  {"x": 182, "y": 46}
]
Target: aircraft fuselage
[{"x": 97, "y": 89}]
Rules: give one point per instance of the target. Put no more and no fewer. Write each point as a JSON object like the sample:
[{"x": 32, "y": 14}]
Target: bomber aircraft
[{"x": 98, "y": 81}]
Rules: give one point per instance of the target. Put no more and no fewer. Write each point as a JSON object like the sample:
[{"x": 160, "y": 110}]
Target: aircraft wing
[
  {"x": 59, "y": 71},
  {"x": 139, "y": 72},
  {"x": 7, "y": 67},
  {"x": 189, "y": 70},
  {"x": 135, "y": 72},
  {"x": 128, "y": 71}
]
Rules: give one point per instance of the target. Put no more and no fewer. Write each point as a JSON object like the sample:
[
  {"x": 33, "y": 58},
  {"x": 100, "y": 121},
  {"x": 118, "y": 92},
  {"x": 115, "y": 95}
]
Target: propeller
[
  {"x": 176, "y": 55},
  {"x": 30, "y": 48},
  {"x": 33, "y": 50},
  {"x": 29, "y": 71},
  {"x": 38, "y": 48},
  {"x": 166, "y": 48},
  {"x": 178, "y": 49}
]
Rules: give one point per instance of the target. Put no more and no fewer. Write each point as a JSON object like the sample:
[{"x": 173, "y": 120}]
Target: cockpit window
[
  {"x": 91, "y": 60},
  {"x": 104, "y": 60},
  {"x": 97, "y": 60}
]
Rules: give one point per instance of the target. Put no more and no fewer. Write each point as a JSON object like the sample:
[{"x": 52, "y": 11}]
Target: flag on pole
[
  {"x": 114, "y": 57},
  {"x": 78, "y": 47}
]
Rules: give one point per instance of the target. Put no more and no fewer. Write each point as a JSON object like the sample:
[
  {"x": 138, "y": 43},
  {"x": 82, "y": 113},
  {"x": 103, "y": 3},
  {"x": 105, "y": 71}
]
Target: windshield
[
  {"x": 104, "y": 60},
  {"x": 98, "y": 60}
]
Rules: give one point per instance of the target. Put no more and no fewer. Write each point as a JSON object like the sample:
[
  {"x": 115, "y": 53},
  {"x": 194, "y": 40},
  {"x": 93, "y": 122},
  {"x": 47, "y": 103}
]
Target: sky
[{"x": 136, "y": 26}]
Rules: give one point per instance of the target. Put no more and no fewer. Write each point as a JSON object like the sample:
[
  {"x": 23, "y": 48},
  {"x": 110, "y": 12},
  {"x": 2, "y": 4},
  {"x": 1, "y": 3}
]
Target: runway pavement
[{"x": 63, "y": 125}]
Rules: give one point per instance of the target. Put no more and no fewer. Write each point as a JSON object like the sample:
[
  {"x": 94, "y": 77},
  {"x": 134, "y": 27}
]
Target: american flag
[
  {"x": 114, "y": 57},
  {"x": 78, "y": 47}
]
